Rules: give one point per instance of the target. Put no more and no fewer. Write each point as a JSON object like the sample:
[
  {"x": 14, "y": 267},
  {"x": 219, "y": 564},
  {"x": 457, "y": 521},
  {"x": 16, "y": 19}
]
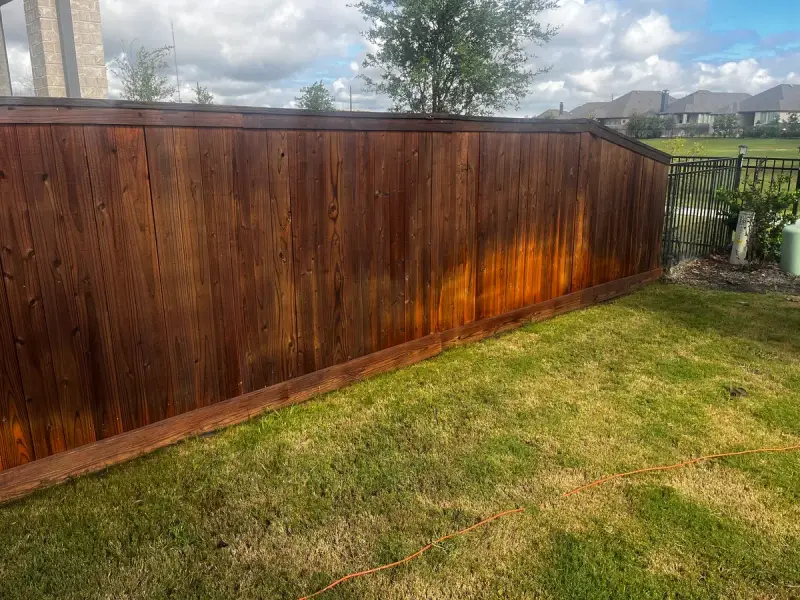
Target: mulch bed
[{"x": 715, "y": 272}]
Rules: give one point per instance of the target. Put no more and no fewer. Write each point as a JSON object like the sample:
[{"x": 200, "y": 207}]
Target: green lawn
[
  {"x": 782, "y": 148},
  {"x": 280, "y": 506}
]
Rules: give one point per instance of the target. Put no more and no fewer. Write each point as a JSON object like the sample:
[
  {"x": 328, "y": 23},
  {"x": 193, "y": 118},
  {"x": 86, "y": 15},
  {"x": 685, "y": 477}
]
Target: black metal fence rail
[
  {"x": 761, "y": 172},
  {"x": 696, "y": 223}
]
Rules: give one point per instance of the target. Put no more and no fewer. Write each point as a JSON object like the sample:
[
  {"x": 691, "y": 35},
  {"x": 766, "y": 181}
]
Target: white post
[{"x": 741, "y": 240}]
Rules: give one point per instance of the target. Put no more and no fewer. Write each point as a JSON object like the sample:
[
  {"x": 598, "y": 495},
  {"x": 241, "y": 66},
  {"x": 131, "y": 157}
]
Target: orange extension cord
[{"x": 577, "y": 490}]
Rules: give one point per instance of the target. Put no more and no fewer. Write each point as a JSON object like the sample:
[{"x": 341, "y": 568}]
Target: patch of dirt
[{"x": 716, "y": 273}]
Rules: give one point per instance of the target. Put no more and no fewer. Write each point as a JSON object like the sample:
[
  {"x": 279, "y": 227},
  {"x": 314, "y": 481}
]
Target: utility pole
[
  {"x": 175, "y": 55},
  {"x": 351, "y": 98}
]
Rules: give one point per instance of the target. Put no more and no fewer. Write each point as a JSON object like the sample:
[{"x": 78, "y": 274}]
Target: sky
[{"x": 261, "y": 52}]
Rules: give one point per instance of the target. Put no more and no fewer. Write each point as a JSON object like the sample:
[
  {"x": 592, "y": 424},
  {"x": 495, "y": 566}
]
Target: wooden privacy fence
[{"x": 159, "y": 260}]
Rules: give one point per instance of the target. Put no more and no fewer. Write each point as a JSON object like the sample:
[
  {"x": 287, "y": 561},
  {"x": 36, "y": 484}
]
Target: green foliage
[
  {"x": 772, "y": 207},
  {"x": 315, "y": 97},
  {"x": 788, "y": 129},
  {"x": 453, "y": 56},
  {"x": 648, "y": 126},
  {"x": 143, "y": 76},
  {"x": 680, "y": 147},
  {"x": 202, "y": 95},
  {"x": 726, "y": 126}
]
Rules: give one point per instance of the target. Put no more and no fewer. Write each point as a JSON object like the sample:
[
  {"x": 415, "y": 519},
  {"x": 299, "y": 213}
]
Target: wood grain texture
[
  {"x": 17, "y": 482},
  {"x": 181, "y": 235},
  {"x": 152, "y": 271},
  {"x": 30, "y": 339}
]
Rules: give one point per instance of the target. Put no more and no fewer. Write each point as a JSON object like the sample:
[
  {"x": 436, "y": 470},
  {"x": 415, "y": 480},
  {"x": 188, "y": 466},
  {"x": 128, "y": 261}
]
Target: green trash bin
[{"x": 790, "y": 250}]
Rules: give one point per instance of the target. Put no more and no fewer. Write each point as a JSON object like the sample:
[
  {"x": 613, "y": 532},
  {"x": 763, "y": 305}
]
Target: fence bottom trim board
[{"x": 24, "y": 479}]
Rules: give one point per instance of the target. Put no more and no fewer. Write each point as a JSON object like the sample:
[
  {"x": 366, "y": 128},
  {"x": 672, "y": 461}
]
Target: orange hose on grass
[{"x": 577, "y": 490}]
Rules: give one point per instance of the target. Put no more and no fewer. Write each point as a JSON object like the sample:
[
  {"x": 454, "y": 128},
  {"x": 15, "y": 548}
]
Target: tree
[
  {"x": 726, "y": 125},
  {"x": 315, "y": 97},
  {"x": 637, "y": 126},
  {"x": 202, "y": 95},
  {"x": 143, "y": 78},
  {"x": 453, "y": 56}
]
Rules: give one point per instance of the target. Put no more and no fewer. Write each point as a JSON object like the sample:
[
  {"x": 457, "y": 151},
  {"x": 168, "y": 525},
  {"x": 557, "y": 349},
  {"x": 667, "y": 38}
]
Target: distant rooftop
[
  {"x": 703, "y": 101},
  {"x": 785, "y": 97},
  {"x": 637, "y": 102},
  {"x": 585, "y": 111},
  {"x": 550, "y": 113}
]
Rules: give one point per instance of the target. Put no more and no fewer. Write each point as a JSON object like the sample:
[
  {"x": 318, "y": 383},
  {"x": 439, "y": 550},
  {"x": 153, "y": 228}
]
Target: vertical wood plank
[
  {"x": 443, "y": 222},
  {"x": 72, "y": 289},
  {"x": 308, "y": 182},
  {"x": 224, "y": 223},
  {"x": 654, "y": 243},
  {"x": 336, "y": 302},
  {"x": 259, "y": 360},
  {"x": 469, "y": 187},
  {"x": 418, "y": 182},
  {"x": 16, "y": 446},
  {"x": 537, "y": 191},
  {"x": 488, "y": 210},
  {"x": 280, "y": 274},
  {"x": 510, "y": 236},
  {"x": 30, "y": 341},
  {"x": 123, "y": 209},
  {"x": 176, "y": 188},
  {"x": 389, "y": 217},
  {"x": 566, "y": 213}
]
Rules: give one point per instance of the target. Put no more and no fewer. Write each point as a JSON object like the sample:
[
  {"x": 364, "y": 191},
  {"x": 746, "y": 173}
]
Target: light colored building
[
  {"x": 617, "y": 113},
  {"x": 702, "y": 107},
  {"x": 774, "y": 104},
  {"x": 65, "y": 41}
]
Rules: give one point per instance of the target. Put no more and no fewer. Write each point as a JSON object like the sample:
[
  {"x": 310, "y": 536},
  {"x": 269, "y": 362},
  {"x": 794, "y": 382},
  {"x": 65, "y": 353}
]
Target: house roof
[
  {"x": 637, "y": 102},
  {"x": 785, "y": 97},
  {"x": 550, "y": 113},
  {"x": 703, "y": 101},
  {"x": 585, "y": 110}
]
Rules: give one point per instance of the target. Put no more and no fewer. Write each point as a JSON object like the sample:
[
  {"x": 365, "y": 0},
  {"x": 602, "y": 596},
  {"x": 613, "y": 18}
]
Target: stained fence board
[
  {"x": 581, "y": 246},
  {"x": 279, "y": 275},
  {"x": 308, "y": 179},
  {"x": 489, "y": 262},
  {"x": 16, "y": 447},
  {"x": 16, "y": 444},
  {"x": 57, "y": 234},
  {"x": 119, "y": 259},
  {"x": 418, "y": 173},
  {"x": 30, "y": 340},
  {"x": 135, "y": 221},
  {"x": 174, "y": 162},
  {"x": 443, "y": 224},
  {"x": 467, "y": 193},
  {"x": 223, "y": 226}
]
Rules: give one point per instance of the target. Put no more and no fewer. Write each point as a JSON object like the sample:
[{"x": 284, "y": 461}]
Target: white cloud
[{"x": 650, "y": 35}]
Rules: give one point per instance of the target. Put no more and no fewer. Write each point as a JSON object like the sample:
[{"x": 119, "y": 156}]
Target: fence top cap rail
[{"x": 16, "y": 110}]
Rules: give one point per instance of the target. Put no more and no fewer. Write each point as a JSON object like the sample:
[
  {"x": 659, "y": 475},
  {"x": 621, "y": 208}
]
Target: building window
[{"x": 765, "y": 118}]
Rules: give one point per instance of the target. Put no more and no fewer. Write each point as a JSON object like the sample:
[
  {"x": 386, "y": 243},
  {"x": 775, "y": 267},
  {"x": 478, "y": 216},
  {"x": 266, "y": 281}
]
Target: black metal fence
[{"x": 697, "y": 223}]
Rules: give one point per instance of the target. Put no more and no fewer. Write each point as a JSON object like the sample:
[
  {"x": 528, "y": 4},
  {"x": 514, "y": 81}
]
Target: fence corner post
[{"x": 739, "y": 165}]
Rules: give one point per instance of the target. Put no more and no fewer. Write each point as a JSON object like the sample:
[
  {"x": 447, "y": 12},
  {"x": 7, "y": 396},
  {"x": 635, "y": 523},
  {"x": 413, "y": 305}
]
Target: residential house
[
  {"x": 775, "y": 104},
  {"x": 590, "y": 110},
  {"x": 555, "y": 113},
  {"x": 617, "y": 113},
  {"x": 703, "y": 106}
]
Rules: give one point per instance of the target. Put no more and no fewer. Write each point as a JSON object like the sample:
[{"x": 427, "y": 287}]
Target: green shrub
[{"x": 772, "y": 207}]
